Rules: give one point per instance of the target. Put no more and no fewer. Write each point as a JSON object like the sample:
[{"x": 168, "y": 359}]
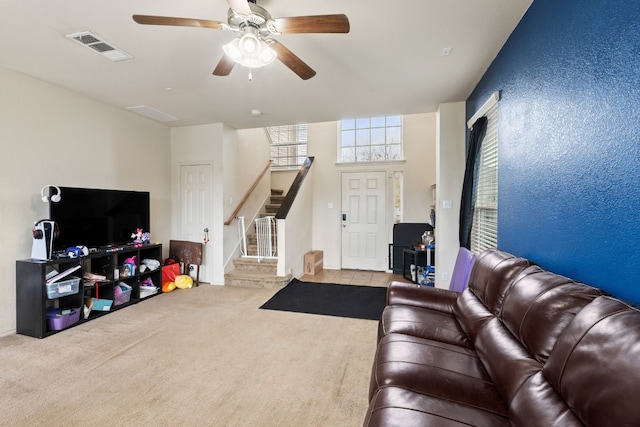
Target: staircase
[{"x": 254, "y": 272}]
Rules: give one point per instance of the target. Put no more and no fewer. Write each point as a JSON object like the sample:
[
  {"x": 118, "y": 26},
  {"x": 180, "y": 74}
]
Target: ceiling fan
[{"x": 254, "y": 47}]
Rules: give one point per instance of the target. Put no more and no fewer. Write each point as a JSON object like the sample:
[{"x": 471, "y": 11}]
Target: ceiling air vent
[
  {"x": 96, "y": 44},
  {"x": 152, "y": 113}
]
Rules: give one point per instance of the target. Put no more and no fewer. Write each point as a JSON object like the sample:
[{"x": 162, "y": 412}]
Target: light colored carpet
[{"x": 205, "y": 356}]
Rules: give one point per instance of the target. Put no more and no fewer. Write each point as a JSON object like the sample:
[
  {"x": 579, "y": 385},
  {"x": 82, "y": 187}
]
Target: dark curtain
[{"x": 478, "y": 130}]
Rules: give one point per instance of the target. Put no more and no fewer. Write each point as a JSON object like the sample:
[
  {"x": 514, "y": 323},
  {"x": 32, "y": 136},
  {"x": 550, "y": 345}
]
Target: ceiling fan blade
[
  {"x": 224, "y": 67},
  {"x": 313, "y": 24},
  {"x": 177, "y": 22},
  {"x": 241, "y": 7},
  {"x": 289, "y": 59}
]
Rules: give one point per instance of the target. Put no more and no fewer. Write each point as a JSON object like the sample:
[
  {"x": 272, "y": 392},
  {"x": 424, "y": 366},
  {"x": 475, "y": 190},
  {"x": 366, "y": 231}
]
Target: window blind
[
  {"x": 484, "y": 231},
  {"x": 288, "y": 146}
]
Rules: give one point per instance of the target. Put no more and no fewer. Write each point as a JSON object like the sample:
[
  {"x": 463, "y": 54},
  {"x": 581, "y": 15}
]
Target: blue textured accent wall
[{"x": 569, "y": 141}]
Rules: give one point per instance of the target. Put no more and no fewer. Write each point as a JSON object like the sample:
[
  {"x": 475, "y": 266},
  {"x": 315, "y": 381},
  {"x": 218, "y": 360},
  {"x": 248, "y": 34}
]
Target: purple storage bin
[{"x": 57, "y": 321}]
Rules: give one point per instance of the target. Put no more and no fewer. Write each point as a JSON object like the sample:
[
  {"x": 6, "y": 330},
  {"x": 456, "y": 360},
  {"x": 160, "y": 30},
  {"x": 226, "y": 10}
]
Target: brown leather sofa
[{"x": 520, "y": 347}]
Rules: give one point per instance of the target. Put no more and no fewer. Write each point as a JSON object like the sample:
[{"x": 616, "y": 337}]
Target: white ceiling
[{"x": 389, "y": 63}]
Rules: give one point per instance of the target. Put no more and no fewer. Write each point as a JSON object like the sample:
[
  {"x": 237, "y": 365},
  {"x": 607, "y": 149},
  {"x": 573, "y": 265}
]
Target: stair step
[
  {"x": 277, "y": 200},
  {"x": 253, "y": 266},
  {"x": 252, "y": 250},
  {"x": 252, "y": 239},
  {"x": 277, "y": 191},
  {"x": 272, "y": 208},
  {"x": 253, "y": 280}
]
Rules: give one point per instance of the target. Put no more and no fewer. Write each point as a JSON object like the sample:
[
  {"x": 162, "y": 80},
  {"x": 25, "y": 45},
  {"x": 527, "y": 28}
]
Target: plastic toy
[
  {"x": 168, "y": 286},
  {"x": 184, "y": 282},
  {"x": 140, "y": 237}
]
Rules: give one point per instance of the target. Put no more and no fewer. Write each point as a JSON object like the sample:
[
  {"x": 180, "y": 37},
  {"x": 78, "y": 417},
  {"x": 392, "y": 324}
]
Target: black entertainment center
[{"x": 65, "y": 291}]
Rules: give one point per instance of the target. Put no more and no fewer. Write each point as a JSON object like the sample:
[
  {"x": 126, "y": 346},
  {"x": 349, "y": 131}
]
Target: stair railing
[
  {"x": 265, "y": 238},
  {"x": 242, "y": 233},
  {"x": 246, "y": 196}
]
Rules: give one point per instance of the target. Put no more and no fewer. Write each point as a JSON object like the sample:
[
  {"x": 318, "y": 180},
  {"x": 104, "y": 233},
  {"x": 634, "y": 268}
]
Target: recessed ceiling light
[{"x": 256, "y": 113}]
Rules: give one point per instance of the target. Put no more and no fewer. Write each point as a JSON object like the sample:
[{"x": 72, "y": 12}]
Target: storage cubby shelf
[{"x": 32, "y": 300}]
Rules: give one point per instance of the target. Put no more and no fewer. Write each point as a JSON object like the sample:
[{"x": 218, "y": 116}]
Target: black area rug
[{"x": 330, "y": 299}]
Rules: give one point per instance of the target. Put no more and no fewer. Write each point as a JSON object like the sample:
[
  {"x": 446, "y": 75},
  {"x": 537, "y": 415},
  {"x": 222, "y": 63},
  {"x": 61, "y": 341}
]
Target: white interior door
[
  {"x": 364, "y": 239},
  {"x": 195, "y": 199}
]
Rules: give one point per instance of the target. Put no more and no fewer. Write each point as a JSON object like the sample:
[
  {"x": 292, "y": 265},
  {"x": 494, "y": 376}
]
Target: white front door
[
  {"x": 195, "y": 209},
  {"x": 364, "y": 239}
]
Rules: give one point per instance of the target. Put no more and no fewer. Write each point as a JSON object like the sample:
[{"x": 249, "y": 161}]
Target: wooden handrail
[
  {"x": 293, "y": 190},
  {"x": 246, "y": 196}
]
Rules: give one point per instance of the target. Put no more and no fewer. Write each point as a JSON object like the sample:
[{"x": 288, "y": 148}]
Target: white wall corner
[{"x": 450, "y": 163}]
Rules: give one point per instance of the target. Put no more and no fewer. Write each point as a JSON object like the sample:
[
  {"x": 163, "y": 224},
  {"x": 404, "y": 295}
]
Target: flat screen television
[{"x": 98, "y": 218}]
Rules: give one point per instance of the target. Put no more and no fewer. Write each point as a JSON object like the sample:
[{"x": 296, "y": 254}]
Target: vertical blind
[{"x": 484, "y": 231}]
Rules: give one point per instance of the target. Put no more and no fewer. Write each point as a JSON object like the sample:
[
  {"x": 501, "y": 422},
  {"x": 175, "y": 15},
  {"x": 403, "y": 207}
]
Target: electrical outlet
[{"x": 445, "y": 276}]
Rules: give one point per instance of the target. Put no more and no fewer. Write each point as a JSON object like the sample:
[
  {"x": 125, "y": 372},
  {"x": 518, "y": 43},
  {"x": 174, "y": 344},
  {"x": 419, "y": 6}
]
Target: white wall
[
  {"x": 296, "y": 240},
  {"x": 237, "y": 158},
  {"x": 200, "y": 145},
  {"x": 282, "y": 180},
  {"x": 419, "y": 136},
  {"x": 52, "y": 136},
  {"x": 246, "y": 154},
  {"x": 450, "y": 155}
]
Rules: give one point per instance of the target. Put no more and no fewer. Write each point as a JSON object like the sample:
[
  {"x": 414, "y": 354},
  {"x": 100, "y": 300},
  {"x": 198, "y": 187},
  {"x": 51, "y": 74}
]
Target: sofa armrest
[{"x": 421, "y": 296}]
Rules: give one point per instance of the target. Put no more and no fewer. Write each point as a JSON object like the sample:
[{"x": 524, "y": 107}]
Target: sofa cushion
[
  {"x": 436, "y": 369},
  {"x": 424, "y": 323},
  {"x": 421, "y": 296},
  {"x": 492, "y": 274},
  {"x": 537, "y": 403},
  {"x": 506, "y": 360},
  {"x": 462, "y": 270},
  {"x": 399, "y": 407},
  {"x": 539, "y": 305},
  {"x": 471, "y": 314},
  {"x": 594, "y": 365}
]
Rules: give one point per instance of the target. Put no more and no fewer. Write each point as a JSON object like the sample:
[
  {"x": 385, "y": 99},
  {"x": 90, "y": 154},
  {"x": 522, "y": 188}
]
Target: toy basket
[
  {"x": 124, "y": 296},
  {"x": 56, "y": 320},
  {"x": 63, "y": 288}
]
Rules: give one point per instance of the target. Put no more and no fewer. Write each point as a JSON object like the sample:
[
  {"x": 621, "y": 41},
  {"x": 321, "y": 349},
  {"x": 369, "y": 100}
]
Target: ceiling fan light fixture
[
  {"x": 249, "y": 44},
  {"x": 250, "y": 51}
]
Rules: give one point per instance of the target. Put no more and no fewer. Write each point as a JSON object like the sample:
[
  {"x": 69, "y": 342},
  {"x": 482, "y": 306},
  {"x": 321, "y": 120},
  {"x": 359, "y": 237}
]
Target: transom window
[
  {"x": 370, "y": 139},
  {"x": 288, "y": 146}
]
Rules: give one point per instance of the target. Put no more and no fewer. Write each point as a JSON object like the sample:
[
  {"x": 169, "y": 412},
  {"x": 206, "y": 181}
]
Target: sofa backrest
[
  {"x": 515, "y": 335},
  {"x": 592, "y": 376},
  {"x": 539, "y": 305},
  {"x": 492, "y": 274},
  {"x": 595, "y": 366}
]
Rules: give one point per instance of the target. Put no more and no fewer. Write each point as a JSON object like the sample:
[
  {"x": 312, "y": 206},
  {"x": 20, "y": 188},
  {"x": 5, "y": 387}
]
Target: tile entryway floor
[{"x": 354, "y": 277}]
